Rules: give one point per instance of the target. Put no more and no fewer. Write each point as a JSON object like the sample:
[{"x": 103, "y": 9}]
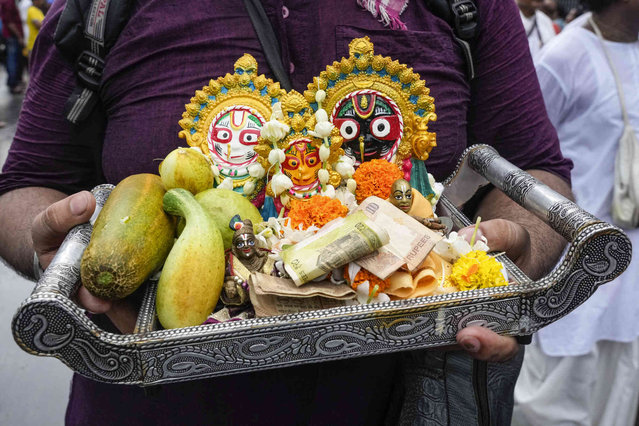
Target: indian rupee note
[{"x": 340, "y": 243}]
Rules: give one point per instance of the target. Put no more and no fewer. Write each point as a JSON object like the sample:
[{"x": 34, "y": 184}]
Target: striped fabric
[{"x": 387, "y": 11}]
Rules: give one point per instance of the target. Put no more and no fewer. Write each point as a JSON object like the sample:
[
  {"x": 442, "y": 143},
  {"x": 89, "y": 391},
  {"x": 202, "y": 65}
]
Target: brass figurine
[
  {"x": 244, "y": 247},
  {"x": 402, "y": 198}
]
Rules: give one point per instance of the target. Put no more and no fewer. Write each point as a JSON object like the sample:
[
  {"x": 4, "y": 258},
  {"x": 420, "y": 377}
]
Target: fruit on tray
[
  {"x": 193, "y": 274},
  {"x": 131, "y": 238},
  {"x": 187, "y": 168},
  {"x": 223, "y": 205}
]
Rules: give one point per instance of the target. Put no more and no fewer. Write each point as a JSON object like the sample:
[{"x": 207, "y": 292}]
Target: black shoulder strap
[
  {"x": 268, "y": 41},
  {"x": 87, "y": 29},
  {"x": 463, "y": 17}
]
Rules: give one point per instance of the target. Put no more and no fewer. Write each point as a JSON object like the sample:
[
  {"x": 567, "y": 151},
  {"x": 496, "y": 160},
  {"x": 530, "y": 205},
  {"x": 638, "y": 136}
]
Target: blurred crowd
[
  {"x": 584, "y": 368},
  {"x": 543, "y": 19},
  {"x": 20, "y": 21}
]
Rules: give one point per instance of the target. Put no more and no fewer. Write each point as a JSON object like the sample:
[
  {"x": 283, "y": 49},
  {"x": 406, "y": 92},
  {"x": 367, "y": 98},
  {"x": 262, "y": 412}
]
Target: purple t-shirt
[{"x": 167, "y": 51}]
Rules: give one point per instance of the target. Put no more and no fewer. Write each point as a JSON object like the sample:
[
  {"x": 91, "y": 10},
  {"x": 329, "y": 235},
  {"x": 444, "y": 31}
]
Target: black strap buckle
[
  {"x": 465, "y": 18},
  {"x": 89, "y": 67}
]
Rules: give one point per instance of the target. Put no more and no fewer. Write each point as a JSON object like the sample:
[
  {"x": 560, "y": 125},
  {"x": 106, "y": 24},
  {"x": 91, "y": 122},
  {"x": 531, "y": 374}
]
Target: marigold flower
[
  {"x": 317, "y": 210},
  {"x": 477, "y": 269},
  {"x": 374, "y": 281},
  {"x": 375, "y": 177}
]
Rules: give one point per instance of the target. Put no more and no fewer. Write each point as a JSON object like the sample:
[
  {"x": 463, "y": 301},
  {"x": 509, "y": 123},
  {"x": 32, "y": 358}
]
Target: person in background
[
  {"x": 12, "y": 32},
  {"x": 35, "y": 15},
  {"x": 539, "y": 27},
  {"x": 166, "y": 52},
  {"x": 584, "y": 368},
  {"x": 23, "y": 6},
  {"x": 554, "y": 12}
]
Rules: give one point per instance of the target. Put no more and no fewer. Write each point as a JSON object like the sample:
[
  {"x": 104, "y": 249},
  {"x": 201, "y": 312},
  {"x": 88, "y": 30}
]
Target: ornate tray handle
[
  {"x": 598, "y": 252},
  {"x": 49, "y": 323}
]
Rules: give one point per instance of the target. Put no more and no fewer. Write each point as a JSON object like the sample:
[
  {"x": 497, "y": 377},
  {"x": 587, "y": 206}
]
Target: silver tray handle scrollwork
[
  {"x": 49, "y": 323},
  {"x": 598, "y": 251}
]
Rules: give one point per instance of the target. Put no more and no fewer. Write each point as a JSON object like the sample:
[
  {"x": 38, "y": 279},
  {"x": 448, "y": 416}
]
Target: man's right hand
[{"x": 49, "y": 229}]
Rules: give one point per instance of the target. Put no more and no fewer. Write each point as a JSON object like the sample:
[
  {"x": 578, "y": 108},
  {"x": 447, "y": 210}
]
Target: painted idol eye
[
  {"x": 291, "y": 163},
  {"x": 380, "y": 127},
  {"x": 249, "y": 137},
  {"x": 222, "y": 135},
  {"x": 349, "y": 129},
  {"x": 312, "y": 159}
]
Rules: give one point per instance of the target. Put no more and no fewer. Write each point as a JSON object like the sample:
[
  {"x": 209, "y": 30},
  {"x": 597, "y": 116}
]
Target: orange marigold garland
[
  {"x": 375, "y": 177},
  {"x": 317, "y": 210}
]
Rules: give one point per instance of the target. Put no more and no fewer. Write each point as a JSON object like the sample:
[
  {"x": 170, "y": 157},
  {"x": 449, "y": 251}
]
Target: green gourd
[{"x": 193, "y": 273}]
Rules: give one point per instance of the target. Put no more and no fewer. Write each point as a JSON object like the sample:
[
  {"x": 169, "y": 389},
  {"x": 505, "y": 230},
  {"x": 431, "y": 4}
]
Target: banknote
[
  {"x": 335, "y": 245},
  {"x": 410, "y": 241},
  {"x": 269, "y": 284}
]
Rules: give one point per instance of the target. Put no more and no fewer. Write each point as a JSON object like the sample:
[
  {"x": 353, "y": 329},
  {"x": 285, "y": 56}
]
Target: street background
[{"x": 33, "y": 389}]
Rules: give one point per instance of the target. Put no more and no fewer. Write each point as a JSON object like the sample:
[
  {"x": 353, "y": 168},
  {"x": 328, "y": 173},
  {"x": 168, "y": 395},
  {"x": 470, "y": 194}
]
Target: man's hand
[
  {"x": 527, "y": 241},
  {"x": 486, "y": 345},
  {"x": 513, "y": 239},
  {"x": 49, "y": 230},
  {"x": 51, "y": 226}
]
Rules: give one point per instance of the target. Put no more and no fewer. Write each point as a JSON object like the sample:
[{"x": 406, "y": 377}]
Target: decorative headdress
[
  {"x": 225, "y": 118},
  {"x": 382, "y": 94}
]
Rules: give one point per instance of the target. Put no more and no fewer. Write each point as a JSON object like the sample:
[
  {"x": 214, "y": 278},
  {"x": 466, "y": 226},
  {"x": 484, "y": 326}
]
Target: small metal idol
[
  {"x": 402, "y": 198},
  {"x": 244, "y": 250},
  {"x": 244, "y": 247}
]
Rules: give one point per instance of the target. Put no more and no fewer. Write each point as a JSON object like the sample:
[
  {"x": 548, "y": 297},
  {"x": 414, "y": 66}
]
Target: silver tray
[{"x": 49, "y": 323}]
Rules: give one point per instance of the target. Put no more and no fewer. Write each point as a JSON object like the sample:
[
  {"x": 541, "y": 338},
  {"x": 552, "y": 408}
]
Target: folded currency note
[
  {"x": 410, "y": 241},
  {"x": 269, "y": 284},
  {"x": 336, "y": 244}
]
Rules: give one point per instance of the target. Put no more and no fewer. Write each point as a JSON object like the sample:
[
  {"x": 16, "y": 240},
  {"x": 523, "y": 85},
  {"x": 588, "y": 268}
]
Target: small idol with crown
[{"x": 299, "y": 148}]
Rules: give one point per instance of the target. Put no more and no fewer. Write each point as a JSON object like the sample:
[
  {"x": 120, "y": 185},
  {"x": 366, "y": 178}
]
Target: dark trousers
[{"x": 14, "y": 63}]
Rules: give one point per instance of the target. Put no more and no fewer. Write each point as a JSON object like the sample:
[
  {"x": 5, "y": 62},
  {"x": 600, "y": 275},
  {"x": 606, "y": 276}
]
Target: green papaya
[
  {"x": 186, "y": 168},
  {"x": 131, "y": 237},
  {"x": 223, "y": 205}
]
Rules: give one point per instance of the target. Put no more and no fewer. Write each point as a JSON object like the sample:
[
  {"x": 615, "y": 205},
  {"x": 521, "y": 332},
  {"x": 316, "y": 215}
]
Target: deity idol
[
  {"x": 299, "y": 150},
  {"x": 381, "y": 107},
  {"x": 224, "y": 120}
]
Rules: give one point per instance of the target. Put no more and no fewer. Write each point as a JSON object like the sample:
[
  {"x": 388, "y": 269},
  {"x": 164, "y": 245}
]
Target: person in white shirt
[
  {"x": 584, "y": 368},
  {"x": 538, "y": 26}
]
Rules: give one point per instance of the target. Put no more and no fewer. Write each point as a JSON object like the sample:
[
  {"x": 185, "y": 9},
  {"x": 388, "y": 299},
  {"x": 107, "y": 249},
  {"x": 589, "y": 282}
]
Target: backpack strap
[
  {"x": 268, "y": 41},
  {"x": 463, "y": 17},
  {"x": 85, "y": 33}
]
